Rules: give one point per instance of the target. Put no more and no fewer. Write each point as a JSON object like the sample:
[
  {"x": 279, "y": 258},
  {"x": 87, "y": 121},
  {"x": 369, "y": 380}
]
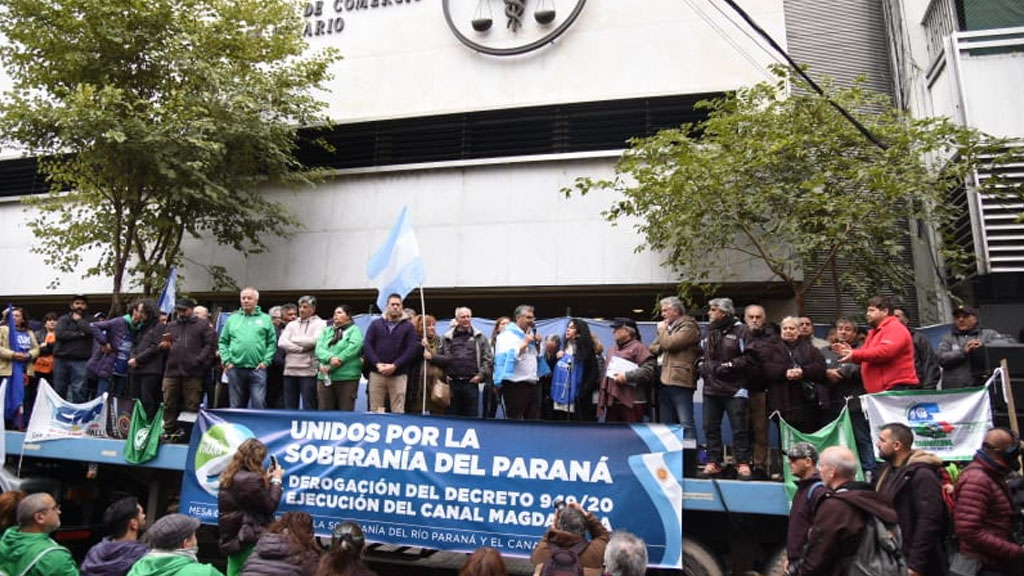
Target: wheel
[{"x": 698, "y": 560}]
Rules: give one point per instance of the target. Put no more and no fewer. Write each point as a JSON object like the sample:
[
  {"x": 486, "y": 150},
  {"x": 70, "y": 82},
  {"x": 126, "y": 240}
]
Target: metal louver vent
[{"x": 1002, "y": 232}]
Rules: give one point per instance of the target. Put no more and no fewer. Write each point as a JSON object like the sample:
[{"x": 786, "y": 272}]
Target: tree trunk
[{"x": 835, "y": 288}]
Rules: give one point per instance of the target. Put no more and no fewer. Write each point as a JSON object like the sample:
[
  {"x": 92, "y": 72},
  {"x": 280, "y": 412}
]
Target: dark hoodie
[
  {"x": 277, "y": 555},
  {"x": 112, "y": 557},
  {"x": 839, "y": 523}
]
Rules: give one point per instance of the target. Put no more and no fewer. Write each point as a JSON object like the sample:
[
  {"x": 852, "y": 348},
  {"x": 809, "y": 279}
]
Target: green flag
[
  {"x": 143, "y": 435},
  {"x": 837, "y": 433}
]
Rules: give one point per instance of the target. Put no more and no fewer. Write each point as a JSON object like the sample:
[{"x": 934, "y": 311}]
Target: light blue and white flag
[
  {"x": 396, "y": 267},
  {"x": 170, "y": 292},
  {"x": 54, "y": 418}
]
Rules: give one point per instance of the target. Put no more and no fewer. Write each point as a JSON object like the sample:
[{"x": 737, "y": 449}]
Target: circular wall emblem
[
  {"x": 510, "y": 27},
  {"x": 215, "y": 450}
]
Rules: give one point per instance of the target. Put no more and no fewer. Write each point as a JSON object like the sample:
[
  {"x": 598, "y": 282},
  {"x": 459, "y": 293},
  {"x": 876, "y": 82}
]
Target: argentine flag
[
  {"x": 170, "y": 292},
  {"x": 396, "y": 267}
]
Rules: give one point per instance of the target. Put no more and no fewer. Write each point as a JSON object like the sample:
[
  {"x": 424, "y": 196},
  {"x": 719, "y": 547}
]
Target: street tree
[
  {"x": 154, "y": 121},
  {"x": 781, "y": 178}
]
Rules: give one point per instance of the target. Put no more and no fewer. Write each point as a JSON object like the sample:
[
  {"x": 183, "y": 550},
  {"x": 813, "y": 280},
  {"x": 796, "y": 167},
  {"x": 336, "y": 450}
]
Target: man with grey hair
[
  {"x": 28, "y": 549},
  {"x": 569, "y": 532},
  {"x": 247, "y": 345},
  {"x": 841, "y": 515},
  {"x": 675, "y": 347},
  {"x": 724, "y": 368},
  {"x": 467, "y": 358},
  {"x": 516, "y": 352},
  {"x": 625, "y": 555},
  {"x": 298, "y": 341}
]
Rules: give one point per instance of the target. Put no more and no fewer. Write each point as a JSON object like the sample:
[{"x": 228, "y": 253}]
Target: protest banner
[
  {"x": 54, "y": 418},
  {"x": 452, "y": 484},
  {"x": 948, "y": 423}
]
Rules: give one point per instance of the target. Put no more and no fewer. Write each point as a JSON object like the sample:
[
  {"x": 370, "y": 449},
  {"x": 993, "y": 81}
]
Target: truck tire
[
  {"x": 774, "y": 566},
  {"x": 699, "y": 561}
]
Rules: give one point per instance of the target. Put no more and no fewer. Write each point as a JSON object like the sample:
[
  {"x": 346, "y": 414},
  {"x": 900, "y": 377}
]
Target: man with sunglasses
[
  {"x": 984, "y": 513},
  {"x": 27, "y": 549}
]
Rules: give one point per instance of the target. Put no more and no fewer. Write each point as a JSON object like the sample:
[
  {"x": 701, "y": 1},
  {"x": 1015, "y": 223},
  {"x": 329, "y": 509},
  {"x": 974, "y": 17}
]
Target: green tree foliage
[
  {"x": 157, "y": 119},
  {"x": 782, "y": 178}
]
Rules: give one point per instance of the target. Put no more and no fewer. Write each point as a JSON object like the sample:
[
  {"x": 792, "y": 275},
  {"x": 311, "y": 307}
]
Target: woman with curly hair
[
  {"x": 576, "y": 374},
  {"x": 345, "y": 558},
  {"x": 287, "y": 548},
  {"x": 247, "y": 499}
]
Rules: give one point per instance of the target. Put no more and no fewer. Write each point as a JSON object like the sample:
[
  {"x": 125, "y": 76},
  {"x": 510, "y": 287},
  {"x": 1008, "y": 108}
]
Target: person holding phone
[{"x": 248, "y": 497}]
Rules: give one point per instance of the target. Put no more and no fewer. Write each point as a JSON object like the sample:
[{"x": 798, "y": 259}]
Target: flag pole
[
  {"x": 423, "y": 318},
  {"x": 1011, "y": 403}
]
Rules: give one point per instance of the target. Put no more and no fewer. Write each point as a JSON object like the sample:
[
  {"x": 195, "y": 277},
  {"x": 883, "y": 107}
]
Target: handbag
[{"x": 441, "y": 393}]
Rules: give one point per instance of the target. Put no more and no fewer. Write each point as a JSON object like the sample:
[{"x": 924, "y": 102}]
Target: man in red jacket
[
  {"x": 984, "y": 512},
  {"x": 887, "y": 357}
]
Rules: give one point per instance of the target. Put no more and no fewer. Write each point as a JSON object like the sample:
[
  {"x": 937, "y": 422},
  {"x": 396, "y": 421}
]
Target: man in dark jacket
[
  {"x": 146, "y": 364},
  {"x": 724, "y": 366},
  {"x": 570, "y": 529},
  {"x": 389, "y": 348},
  {"x": 467, "y": 359},
  {"x": 190, "y": 344},
  {"x": 114, "y": 555},
  {"x": 911, "y": 480},
  {"x": 926, "y": 361},
  {"x": 803, "y": 463},
  {"x": 71, "y": 352},
  {"x": 984, "y": 513},
  {"x": 960, "y": 352},
  {"x": 770, "y": 361},
  {"x": 841, "y": 515}
]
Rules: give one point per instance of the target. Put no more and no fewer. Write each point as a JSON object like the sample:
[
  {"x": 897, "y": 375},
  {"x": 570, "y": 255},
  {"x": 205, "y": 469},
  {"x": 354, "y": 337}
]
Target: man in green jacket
[
  {"x": 27, "y": 549},
  {"x": 174, "y": 548},
  {"x": 247, "y": 346}
]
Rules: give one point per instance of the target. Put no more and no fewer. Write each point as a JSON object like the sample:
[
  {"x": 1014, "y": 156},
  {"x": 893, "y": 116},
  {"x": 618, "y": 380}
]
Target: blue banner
[{"x": 449, "y": 483}]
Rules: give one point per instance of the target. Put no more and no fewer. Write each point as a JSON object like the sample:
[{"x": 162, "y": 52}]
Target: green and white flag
[
  {"x": 143, "y": 440},
  {"x": 948, "y": 423},
  {"x": 837, "y": 433}
]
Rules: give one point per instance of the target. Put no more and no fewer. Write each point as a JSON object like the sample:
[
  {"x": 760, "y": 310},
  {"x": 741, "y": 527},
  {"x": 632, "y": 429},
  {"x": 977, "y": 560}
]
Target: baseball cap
[
  {"x": 802, "y": 450},
  {"x": 965, "y": 311}
]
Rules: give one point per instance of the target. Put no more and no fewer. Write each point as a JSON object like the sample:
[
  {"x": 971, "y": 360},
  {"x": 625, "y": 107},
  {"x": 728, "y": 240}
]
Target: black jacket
[
  {"x": 725, "y": 362},
  {"x": 839, "y": 522},
  {"x": 74, "y": 339},
  {"x": 916, "y": 494},
  {"x": 149, "y": 358},
  {"x": 244, "y": 510},
  {"x": 193, "y": 348}
]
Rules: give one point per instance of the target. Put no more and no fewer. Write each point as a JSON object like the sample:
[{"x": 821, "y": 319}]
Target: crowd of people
[{"x": 291, "y": 358}]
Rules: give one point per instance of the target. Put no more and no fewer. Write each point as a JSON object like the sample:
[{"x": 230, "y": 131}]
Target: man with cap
[
  {"x": 724, "y": 366},
  {"x": 174, "y": 548},
  {"x": 71, "y": 352},
  {"x": 960, "y": 354},
  {"x": 626, "y": 393},
  {"x": 190, "y": 344},
  {"x": 27, "y": 549},
  {"x": 803, "y": 466}
]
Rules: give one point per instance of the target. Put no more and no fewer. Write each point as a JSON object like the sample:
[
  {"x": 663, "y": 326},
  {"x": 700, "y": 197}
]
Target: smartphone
[
  {"x": 167, "y": 337},
  {"x": 273, "y": 462}
]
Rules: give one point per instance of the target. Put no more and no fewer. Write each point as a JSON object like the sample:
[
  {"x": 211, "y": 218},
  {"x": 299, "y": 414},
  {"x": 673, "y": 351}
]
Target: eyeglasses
[{"x": 48, "y": 508}]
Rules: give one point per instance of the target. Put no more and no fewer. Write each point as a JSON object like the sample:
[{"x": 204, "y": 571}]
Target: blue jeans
[
  {"x": 736, "y": 409},
  {"x": 69, "y": 374},
  {"x": 117, "y": 385},
  {"x": 246, "y": 383},
  {"x": 465, "y": 398},
  {"x": 296, "y": 386},
  {"x": 677, "y": 408}
]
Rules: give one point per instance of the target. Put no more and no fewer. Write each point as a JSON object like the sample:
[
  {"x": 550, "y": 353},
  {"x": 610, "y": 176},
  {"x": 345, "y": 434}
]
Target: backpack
[
  {"x": 880, "y": 552},
  {"x": 564, "y": 561}
]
